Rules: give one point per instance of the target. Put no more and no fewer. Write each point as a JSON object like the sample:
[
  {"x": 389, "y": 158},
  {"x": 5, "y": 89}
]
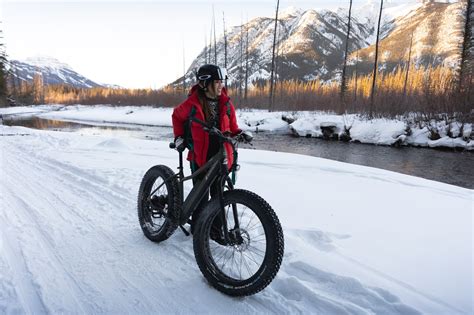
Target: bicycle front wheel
[{"x": 248, "y": 260}]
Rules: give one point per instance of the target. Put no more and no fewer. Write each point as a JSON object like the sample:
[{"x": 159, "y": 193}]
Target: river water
[{"x": 452, "y": 167}]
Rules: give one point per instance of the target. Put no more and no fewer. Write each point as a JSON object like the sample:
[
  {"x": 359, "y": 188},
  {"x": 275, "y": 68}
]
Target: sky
[{"x": 134, "y": 44}]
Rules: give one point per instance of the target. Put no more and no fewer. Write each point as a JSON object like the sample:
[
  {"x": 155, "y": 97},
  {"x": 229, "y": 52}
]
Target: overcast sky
[{"x": 135, "y": 44}]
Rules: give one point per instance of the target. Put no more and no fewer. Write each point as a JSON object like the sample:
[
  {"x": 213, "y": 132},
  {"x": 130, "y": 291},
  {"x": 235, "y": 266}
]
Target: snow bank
[
  {"x": 377, "y": 131},
  {"x": 261, "y": 120},
  {"x": 110, "y": 114},
  {"x": 312, "y": 124},
  {"x": 28, "y": 110}
]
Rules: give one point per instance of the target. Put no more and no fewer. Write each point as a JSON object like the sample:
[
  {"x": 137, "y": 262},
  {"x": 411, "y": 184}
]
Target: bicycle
[{"x": 246, "y": 255}]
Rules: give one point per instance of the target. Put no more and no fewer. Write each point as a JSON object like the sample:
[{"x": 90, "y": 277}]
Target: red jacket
[{"x": 228, "y": 123}]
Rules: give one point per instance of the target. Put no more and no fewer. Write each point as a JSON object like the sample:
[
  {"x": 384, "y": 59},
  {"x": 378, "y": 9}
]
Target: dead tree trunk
[
  {"x": 355, "y": 76},
  {"x": 270, "y": 105},
  {"x": 210, "y": 46},
  {"x": 184, "y": 71},
  {"x": 466, "y": 62},
  {"x": 374, "y": 76},
  {"x": 241, "y": 58},
  {"x": 225, "y": 45},
  {"x": 205, "y": 48},
  {"x": 215, "y": 44},
  {"x": 246, "y": 62},
  {"x": 407, "y": 70},
  {"x": 343, "y": 79}
]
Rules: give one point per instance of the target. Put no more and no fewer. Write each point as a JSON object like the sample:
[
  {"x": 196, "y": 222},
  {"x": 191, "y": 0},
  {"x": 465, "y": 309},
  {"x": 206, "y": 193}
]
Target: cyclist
[{"x": 208, "y": 102}]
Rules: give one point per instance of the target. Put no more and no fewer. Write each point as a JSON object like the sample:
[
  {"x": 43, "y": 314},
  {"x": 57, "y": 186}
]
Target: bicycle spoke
[
  {"x": 253, "y": 258},
  {"x": 240, "y": 269},
  {"x": 242, "y": 214},
  {"x": 243, "y": 259},
  {"x": 259, "y": 237},
  {"x": 255, "y": 226},
  {"x": 156, "y": 223},
  {"x": 225, "y": 260},
  {"x": 258, "y": 251},
  {"x": 246, "y": 228},
  {"x": 222, "y": 253},
  {"x": 247, "y": 266}
]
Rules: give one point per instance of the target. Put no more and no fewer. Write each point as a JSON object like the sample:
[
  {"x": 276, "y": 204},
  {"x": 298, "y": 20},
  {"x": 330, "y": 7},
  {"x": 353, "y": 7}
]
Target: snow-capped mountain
[
  {"x": 52, "y": 71},
  {"x": 368, "y": 14},
  {"x": 436, "y": 28},
  {"x": 310, "y": 44}
]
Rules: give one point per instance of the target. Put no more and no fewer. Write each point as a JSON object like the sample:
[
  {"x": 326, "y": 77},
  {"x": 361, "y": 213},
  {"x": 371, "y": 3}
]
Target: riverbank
[{"x": 353, "y": 128}]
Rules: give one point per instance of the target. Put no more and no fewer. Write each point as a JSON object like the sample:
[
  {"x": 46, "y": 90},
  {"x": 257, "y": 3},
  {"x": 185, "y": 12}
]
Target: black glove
[
  {"x": 245, "y": 136},
  {"x": 179, "y": 144}
]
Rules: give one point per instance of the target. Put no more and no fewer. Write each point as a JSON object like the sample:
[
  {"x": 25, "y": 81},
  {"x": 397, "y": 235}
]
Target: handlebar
[{"x": 222, "y": 136}]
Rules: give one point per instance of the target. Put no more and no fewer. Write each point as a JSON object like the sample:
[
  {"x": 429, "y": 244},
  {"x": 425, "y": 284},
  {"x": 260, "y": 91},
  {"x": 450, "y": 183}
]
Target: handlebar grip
[{"x": 172, "y": 145}]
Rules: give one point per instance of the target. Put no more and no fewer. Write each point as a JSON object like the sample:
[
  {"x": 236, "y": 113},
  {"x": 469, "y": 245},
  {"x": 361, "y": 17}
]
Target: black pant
[{"x": 214, "y": 190}]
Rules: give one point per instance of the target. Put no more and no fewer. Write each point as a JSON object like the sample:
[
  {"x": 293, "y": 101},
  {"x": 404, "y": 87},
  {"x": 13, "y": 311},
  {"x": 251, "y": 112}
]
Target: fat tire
[
  {"x": 174, "y": 206},
  {"x": 274, "y": 247}
]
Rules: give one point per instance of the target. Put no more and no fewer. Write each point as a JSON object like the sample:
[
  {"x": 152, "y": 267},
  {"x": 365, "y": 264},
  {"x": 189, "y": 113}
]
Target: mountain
[
  {"x": 437, "y": 34},
  {"x": 52, "y": 71},
  {"x": 310, "y": 44}
]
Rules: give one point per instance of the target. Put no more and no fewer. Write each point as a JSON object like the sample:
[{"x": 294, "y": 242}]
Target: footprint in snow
[
  {"x": 112, "y": 143},
  {"x": 332, "y": 293}
]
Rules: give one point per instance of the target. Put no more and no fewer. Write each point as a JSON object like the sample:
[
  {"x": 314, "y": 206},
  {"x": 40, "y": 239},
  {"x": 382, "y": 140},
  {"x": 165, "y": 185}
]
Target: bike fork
[{"x": 222, "y": 213}]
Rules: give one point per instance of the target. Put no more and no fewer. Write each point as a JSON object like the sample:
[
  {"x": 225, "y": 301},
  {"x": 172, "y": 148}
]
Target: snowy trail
[
  {"x": 70, "y": 243},
  {"x": 86, "y": 260}
]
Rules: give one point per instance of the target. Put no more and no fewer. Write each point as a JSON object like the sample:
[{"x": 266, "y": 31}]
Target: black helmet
[{"x": 208, "y": 73}]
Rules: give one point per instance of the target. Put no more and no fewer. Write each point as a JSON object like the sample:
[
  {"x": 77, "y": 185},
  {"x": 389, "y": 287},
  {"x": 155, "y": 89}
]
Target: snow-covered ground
[
  {"x": 376, "y": 131},
  {"x": 358, "y": 240}
]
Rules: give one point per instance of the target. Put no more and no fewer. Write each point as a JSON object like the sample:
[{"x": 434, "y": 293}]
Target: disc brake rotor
[{"x": 240, "y": 239}]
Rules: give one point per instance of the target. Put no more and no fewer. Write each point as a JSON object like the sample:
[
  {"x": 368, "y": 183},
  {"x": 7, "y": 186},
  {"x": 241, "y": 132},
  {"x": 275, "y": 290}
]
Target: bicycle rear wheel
[
  {"x": 158, "y": 212},
  {"x": 249, "y": 260}
]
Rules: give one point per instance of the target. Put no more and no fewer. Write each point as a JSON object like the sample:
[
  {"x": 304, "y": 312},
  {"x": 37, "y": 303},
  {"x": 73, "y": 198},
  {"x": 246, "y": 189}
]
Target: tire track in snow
[
  {"x": 143, "y": 276},
  {"x": 75, "y": 188},
  {"x": 77, "y": 184},
  {"x": 44, "y": 256},
  {"x": 102, "y": 240},
  {"x": 27, "y": 290}
]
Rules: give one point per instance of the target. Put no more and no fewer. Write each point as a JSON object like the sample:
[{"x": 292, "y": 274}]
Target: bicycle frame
[{"x": 216, "y": 169}]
